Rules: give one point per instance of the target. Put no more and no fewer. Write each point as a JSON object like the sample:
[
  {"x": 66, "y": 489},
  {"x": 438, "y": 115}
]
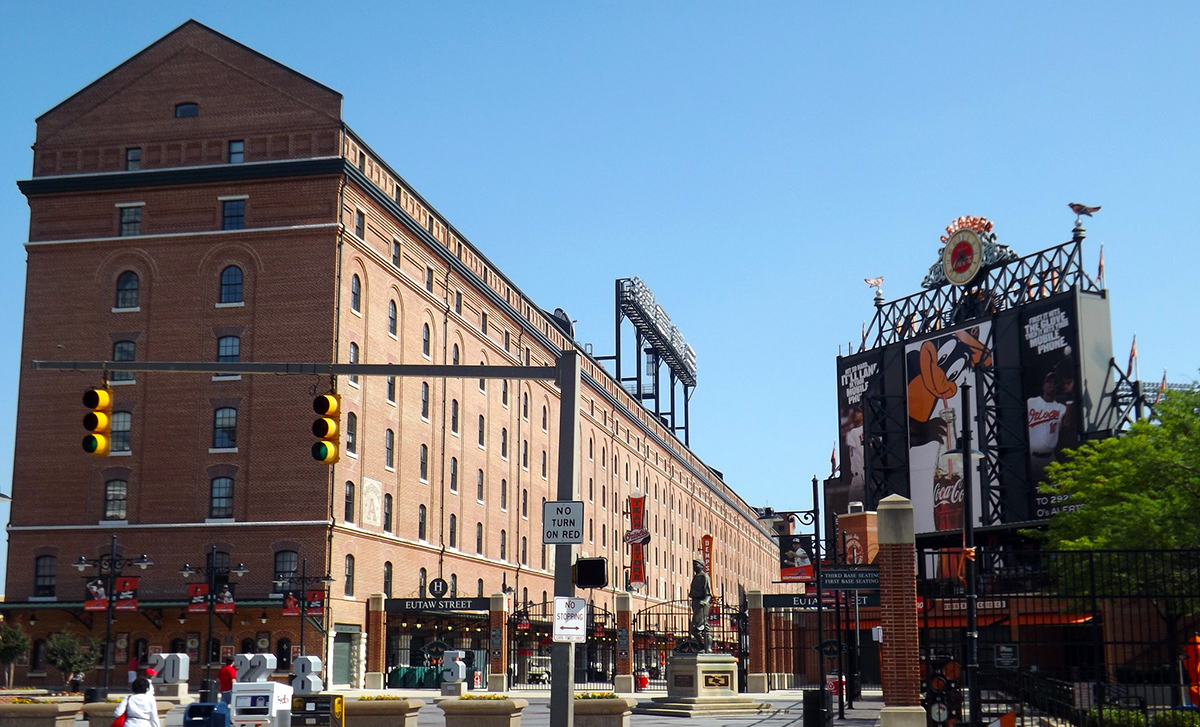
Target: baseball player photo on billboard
[
  {"x": 1049, "y": 365},
  {"x": 856, "y": 374},
  {"x": 936, "y": 369}
]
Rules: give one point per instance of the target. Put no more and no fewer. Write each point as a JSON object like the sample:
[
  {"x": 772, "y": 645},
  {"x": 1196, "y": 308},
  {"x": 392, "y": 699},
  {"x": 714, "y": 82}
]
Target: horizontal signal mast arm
[{"x": 307, "y": 369}]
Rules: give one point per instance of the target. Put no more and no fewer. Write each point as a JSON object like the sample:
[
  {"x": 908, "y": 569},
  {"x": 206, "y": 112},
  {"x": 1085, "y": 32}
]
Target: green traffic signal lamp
[
  {"x": 98, "y": 421},
  {"x": 328, "y": 408}
]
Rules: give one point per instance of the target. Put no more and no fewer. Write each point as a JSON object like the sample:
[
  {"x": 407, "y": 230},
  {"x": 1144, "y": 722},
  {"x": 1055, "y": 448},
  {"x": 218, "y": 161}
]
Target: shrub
[
  {"x": 1176, "y": 718},
  {"x": 380, "y": 698},
  {"x": 610, "y": 695},
  {"x": 1114, "y": 717},
  {"x": 484, "y": 696}
]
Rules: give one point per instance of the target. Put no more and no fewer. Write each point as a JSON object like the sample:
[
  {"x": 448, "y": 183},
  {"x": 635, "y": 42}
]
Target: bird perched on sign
[
  {"x": 1082, "y": 210},
  {"x": 874, "y": 282}
]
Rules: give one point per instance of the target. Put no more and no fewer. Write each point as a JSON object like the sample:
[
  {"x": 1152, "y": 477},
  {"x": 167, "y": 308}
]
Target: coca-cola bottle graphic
[{"x": 947, "y": 481}]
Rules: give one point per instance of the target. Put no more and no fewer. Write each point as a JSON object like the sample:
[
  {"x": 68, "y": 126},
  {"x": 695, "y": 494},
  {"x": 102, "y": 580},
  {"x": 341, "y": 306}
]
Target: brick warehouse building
[{"x": 203, "y": 202}]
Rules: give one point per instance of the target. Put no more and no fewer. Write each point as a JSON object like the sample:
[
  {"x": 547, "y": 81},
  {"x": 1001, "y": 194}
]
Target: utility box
[
  {"x": 261, "y": 704},
  {"x": 317, "y": 710},
  {"x": 206, "y": 714}
]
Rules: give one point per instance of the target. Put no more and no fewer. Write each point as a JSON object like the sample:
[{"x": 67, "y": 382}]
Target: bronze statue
[{"x": 701, "y": 594}]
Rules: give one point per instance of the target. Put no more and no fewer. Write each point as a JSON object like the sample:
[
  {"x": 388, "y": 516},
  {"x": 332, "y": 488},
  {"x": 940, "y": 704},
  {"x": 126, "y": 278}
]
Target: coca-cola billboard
[{"x": 936, "y": 369}]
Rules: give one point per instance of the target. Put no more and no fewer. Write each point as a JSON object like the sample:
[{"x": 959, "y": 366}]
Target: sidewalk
[{"x": 789, "y": 704}]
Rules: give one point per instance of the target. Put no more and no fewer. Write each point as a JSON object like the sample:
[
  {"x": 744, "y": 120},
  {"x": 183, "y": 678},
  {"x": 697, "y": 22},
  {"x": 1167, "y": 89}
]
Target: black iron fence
[
  {"x": 530, "y": 642},
  {"x": 659, "y": 628},
  {"x": 1090, "y": 638}
]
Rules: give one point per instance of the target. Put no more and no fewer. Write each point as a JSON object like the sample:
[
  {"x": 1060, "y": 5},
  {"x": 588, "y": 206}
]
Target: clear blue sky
[{"x": 752, "y": 162}]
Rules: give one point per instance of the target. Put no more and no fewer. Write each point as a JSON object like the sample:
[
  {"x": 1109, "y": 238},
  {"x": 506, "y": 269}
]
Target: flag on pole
[
  {"x": 833, "y": 456},
  {"x": 1162, "y": 389},
  {"x": 1132, "y": 357},
  {"x": 1100, "y": 269}
]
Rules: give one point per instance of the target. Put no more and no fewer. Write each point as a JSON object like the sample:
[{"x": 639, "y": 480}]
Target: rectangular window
[
  {"x": 133, "y": 159},
  {"x": 45, "y": 571},
  {"x": 131, "y": 221},
  {"x": 221, "y": 499},
  {"x": 116, "y": 498},
  {"x": 458, "y": 302},
  {"x": 429, "y": 279},
  {"x": 360, "y": 224},
  {"x": 483, "y": 322},
  {"x": 233, "y": 215},
  {"x": 237, "y": 152},
  {"x": 395, "y": 254}
]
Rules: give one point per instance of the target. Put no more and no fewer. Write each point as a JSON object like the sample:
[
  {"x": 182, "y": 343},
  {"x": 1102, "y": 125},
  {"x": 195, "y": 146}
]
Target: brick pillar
[
  {"x": 376, "y": 642},
  {"x": 898, "y": 609},
  {"x": 756, "y": 676},
  {"x": 623, "y": 681},
  {"x": 498, "y": 644}
]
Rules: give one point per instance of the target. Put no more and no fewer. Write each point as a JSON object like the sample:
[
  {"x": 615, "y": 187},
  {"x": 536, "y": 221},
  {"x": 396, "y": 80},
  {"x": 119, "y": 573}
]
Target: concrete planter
[
  {"x": 53, "y": 714},
  {"x": 383, "y": 712},
  {"x": 603, "y": 712},
  {"x": 100, "y": 714},
  {"x": 481, "y": 712}
]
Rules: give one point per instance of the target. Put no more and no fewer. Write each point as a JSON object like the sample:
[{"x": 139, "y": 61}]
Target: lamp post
[
  {"x": 109, "y": 566},
  {"x": 967, "y": 456},
  {"x": 810, "y": 517},
  {"x": 301, "y": 583},
  {"x": 212, "y": 572}
]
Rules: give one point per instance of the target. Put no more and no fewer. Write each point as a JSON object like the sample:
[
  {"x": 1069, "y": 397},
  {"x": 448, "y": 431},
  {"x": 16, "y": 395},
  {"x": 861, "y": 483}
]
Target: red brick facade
[{"x": 300, "y": 252}]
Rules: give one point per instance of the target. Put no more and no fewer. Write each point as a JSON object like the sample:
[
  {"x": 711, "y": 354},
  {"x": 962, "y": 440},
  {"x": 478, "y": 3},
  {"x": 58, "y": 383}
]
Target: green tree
[
  {"x": 70, "y": 655},
  {"x": 1137, "y": 491},
  {"x": 13, "y": 643}
]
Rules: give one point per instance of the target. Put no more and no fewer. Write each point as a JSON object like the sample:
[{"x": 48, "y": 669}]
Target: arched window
[
  {"x": 355, "y": 294},
  {"x": 45, "y": 575},
  {"x": 183, "y": 111},
  {"x": 387, "y": 513},
  {"x": 349, "y": 575},
  {"x": 351, "y": 433},
  {"x": 479, "y": 538},
  {"x": 482, "y": 430},
  {"x": 127, "y": 290},
  {"x": 525, "y": 405},
  {"x": 389, "y": 449},
  {"x": 453, "y": 530},
  {"x": 214, "y": 651},
  {"x": 483, "y": 382},
  {"x": 392, "y": 317},
  {"x": 545, "y": 419},
  {"x": 122, "y": 426},
  {"x": 454, "y": 416},
  {"x": 504, "y": 391},
  {"x": 421, "y": 517},
  {"x": 453, "y": 585},
  {"x": 544, "y": 462},
  {"x": 425, "y": 343},
  {"x": 424, "y": 463},
  {"x": 224, "y": 434},
  {"x": 479, "y": 588},
  {"x": 479, "y": 486},
  {"x": 524, "y": 503},
  {"x": 387, "y": 579},
  {"x": 231, "y": 285},
  {"x": 425, "y": 400},
  {"x": 353, "y": 359},
  {"x": 591, "y": 448},
  {"x": 123, "y": 351},
  {"x": 504, "y": 443},
  {"x": 503, "y": 494},
  {"x": 525, "y": 453},
  {"x": 220, "y": 500},
  {"x": 229, "y": 349},
  {"x": 287, "y": 562},
  {"x": 349, "y": 509},
  {"x": 454, "y": 474},
  {"x": 116, "y": 499},
  {"x": 391, "y": 389},
  {"x": 503, "y": 545},
  {"x": 524, "y": 550},
  {"x": 454, "y": 355},
  {"x": 422, "y": 580},
  {"x": 283, "y": 654}
]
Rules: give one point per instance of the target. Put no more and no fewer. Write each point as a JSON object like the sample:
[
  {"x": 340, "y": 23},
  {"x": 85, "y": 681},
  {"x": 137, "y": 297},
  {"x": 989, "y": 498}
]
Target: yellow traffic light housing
[
  {"x": 98, "y": 421},
  {"x": 326, "y": 429}
]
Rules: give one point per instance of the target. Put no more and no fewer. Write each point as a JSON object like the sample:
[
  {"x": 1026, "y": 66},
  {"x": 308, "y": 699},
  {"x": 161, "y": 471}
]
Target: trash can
[
  {"x": 833, "y": 685},
  {"x": 817, "y": 708},
  {"x": 209, "y": 691},
  {"x": 206, "y": 714},
  {"x": 641, "y": 679},
  {"x": 95, "y": 694}
]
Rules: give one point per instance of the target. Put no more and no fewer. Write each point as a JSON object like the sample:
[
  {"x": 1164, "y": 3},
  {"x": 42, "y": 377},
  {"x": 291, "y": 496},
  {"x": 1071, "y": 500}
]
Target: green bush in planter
[
  {"x": 1175, "y": 718},
  {"x": 1114, "y": 717}
]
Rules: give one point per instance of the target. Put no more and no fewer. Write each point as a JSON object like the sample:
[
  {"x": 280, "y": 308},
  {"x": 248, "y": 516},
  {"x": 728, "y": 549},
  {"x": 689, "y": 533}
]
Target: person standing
[
  {"x": 140, "y": 708},
  {"x": 132, "y": 673},
  {"x": 225, "y": 679}
]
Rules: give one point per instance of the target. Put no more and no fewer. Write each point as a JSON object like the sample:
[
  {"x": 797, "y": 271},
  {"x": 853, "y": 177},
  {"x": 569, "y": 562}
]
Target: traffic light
[
  {"x": 590, "y": 573},
  {"x": 98, "y": 421},
  {"x": 329, "y": 409}
]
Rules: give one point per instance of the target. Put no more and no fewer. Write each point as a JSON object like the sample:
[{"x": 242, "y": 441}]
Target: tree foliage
[
  {"x": 1137, "y": 491},
  {"x": 13, "y": 643},
  {"x": 69, "y": 655}
]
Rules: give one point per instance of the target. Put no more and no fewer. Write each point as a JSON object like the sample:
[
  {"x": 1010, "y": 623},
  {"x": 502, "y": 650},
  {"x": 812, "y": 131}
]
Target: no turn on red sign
[{"x": 570, "y": 620}]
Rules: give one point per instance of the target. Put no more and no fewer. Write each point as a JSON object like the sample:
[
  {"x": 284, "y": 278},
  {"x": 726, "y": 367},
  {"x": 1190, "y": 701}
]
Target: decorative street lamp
[
  {"x": 809, "y": 517},
  {"x": 212, "y": 572},
  {"x": 301, "y": 583},
  {"x": 109, "y": 566}
]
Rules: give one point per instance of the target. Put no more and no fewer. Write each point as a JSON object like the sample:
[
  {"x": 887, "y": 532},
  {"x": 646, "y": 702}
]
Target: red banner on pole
[
  {"x": 315, "y": 605},
  {"x": 97, "y": 599},
  {"x": 637, "y": 537},
  {"x": 706, "y": 552},
  {"x": 125, "y": 593},
  {"x": 197, "y": 598},
  {"x": 225, "y": 602}
]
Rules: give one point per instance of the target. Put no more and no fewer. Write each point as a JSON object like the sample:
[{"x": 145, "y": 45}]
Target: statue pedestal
[
  {"x": 702, "y": 685},
  {"x": 174, "y": 693}
]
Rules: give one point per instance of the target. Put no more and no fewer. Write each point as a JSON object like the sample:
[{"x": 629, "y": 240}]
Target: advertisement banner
[
  {"x": 637, "y": 537},
  {"x": 291, "y": 605},
  {"x": 856, "y": 374},
  {"x": 197, "y": 598},
  {"x": 1049, "y": 362},
  {"x": 225, "y": 602},
  {"x": 315, "y": 604},
  {"x": 125, "y": 592},
  {"x": 97, "y": 599},
  {"x": 706, "y": 552},
  {"x": 936, "y": 370},
  {"x": 796, "y": 559}
]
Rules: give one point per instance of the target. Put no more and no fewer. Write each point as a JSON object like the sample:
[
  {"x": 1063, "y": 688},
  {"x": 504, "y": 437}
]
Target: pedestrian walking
[{"x": 139, "y": 708}]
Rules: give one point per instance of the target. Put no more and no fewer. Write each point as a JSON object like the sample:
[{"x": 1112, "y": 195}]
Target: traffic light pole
[{"x": 562, "y": 656}]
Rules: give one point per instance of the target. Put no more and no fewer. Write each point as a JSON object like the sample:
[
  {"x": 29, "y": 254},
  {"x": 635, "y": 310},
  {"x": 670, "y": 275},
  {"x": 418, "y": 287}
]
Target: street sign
[
  {"x": 1008, "y": 656},
  {"x": 866, "y": 599},
  {"x": 562, "y": 522},
  {"x": 850, "y": 579},
  {"x": 570, "y": 620},
  {"x": 438, "y": 587}
]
